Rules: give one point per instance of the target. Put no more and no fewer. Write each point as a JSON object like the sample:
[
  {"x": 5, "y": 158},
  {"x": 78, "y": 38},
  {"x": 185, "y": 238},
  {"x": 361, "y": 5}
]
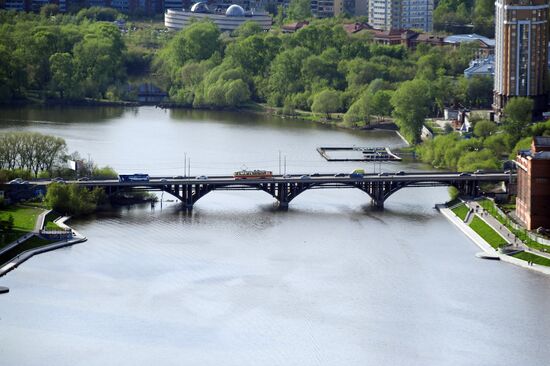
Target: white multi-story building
[
  {"x": 401, "y": 14},
  {"x": 233, "y": 17}
]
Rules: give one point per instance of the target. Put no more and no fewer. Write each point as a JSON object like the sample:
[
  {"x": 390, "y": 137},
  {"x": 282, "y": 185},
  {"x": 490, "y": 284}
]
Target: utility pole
[
  {"x": 189, "y": 166},
  {"x": 285, "y": 166},
  {"x": 184, "y": 164},
  {"x": 279, "y": 162}
]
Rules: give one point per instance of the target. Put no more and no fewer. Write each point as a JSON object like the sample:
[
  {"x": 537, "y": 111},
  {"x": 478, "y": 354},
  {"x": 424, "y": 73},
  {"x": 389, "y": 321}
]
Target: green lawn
[
  {"x": 24, "y": 220},
  {"x": 32, "y": 243},
  {"x": 461, "y": 211},
  {"x": 24, "y": 217},
  {"x": 48, "y": 221},
  {"x": 487, "y": 233},
  {"x": 529, "y": 257}
]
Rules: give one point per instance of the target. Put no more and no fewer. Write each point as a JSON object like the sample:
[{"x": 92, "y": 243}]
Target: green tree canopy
[
  {"x": 326, "y": 102},
  {"x": 299, "y": 10},
  {"x": 518, "y": 114},
  {"x": 484, "y": 128},
  {"x": 411, "y": 104}
]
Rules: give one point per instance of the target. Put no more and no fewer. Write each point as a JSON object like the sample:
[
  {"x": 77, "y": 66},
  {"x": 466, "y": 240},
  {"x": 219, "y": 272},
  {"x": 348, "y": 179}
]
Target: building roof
[
  {"x": 429, "y": 38},
  {"x": 293, "y": 27},
  {"x": 483, "y": 66},
  {"x": 542, "y": 143},
  {"x": 461, "y": 38},
  {"x": 235, "y": 11},
  {"x": 540, "y": 149},
  {"x": 352, "y": 28}
]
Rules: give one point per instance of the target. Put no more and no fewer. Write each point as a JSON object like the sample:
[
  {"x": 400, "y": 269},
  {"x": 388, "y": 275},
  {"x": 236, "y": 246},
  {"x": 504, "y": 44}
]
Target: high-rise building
[
  {"x": 521, "y": 54},
  {"x": 401, "y": 14},
  {"x": 533, "y": 198}
]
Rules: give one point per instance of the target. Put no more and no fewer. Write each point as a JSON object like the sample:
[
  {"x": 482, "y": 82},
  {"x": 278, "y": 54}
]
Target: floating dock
[{"x": 368, "y": 153}]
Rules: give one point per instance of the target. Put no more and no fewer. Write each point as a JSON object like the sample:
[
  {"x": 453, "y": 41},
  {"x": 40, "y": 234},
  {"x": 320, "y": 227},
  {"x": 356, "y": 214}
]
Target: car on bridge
[
  {"x": 202, "y": 177},
  {"x": 127, "y": 178},
  {"x": 357, "y": 173}
]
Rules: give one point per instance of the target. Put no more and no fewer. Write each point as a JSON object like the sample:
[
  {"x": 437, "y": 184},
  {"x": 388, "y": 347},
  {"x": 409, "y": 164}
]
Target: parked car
[
  {"x": 464, "y": 174},
  {"x": 83, "y": 179},
  {"x": 16, "y": 181},
  {"x": 58, "y": 180}
]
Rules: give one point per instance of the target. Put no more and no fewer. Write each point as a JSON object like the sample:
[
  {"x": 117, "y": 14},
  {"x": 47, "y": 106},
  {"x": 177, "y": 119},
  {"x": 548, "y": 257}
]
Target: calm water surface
[{"x": 330, "y": 282}]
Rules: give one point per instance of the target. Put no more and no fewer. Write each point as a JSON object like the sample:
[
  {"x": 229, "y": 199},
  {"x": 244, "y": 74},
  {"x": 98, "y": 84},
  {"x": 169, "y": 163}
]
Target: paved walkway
[{"x": 510, "y": 238}]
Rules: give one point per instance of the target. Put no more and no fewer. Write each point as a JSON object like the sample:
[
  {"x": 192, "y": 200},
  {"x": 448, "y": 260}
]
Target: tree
[
  {"x": 380, "y": 103},
  {"x": 285, "y": 74},
  {"x": 197, "y": 42},
  {"x": 299, "y": 10},
  {"x": 327, "y": 102},
  {"x": 49, "y": 10},
  {"x": 484, "y": 129},
  {"x": 71, "y": 199},
  {"x": 518, "y": 114},
  {"x": 473, "y": 160},
  {"x": 248, "y": 29},
  {"x": 411, "y": 105},
  {"x": 61, "y": 66}
]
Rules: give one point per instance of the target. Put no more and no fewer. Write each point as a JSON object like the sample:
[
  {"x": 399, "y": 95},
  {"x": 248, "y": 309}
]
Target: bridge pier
[
  {"x": 378, "y": 204},
  {"x": 282, "y": 206}
]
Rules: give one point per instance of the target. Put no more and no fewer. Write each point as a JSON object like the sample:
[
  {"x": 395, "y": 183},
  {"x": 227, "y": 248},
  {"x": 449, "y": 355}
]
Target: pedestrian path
[{"x": 502, "y": 230}]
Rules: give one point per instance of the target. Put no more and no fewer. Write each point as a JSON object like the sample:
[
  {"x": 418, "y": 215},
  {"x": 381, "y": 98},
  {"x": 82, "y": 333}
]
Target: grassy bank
[
  {"x": 31, "y": 243},
  {"x": 24, "y": 219},
  {"x": 48, "y": 222},
  {"x": 529, "y": 257},
  {"x": 487, "y": 233},
  {"x": 461, "y": 211}
]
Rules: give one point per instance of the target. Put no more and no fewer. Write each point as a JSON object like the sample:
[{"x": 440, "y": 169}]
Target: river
[{"x": 329, "y": 282}]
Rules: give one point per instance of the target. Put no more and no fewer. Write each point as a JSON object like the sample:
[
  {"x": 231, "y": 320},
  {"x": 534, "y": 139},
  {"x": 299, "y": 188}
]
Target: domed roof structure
[
  {"x": 200, "y": 8},
  {"x": 235, "y": 11}
]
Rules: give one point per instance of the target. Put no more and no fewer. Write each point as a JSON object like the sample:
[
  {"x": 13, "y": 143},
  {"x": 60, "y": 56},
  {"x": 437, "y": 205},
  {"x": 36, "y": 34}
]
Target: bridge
[{"x": 285, "y": 188}]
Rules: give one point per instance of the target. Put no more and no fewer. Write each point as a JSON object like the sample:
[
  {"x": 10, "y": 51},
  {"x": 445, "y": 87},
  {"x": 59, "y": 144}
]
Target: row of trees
[{"x": 31, "y": 151}]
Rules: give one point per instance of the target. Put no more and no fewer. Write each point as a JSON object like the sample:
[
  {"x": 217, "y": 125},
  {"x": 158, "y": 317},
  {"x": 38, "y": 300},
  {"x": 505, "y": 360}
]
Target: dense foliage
[
  {"x": 71, "y": 56},
  {"x": 71, "y": 199},
  {"x": 321, "y": 69},
  {"x": 490, "y": 145},
  {"x": 465, "y": 16}
]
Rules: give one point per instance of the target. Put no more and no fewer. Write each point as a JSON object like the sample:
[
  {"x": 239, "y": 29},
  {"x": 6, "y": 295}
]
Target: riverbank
[
  {"x": 35, "y": 245},
  {"x": 483, "y": 239}
]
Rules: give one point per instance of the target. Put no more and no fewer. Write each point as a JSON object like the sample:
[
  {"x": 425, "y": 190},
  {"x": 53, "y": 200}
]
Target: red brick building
[{"x": 533, "y": 199}]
